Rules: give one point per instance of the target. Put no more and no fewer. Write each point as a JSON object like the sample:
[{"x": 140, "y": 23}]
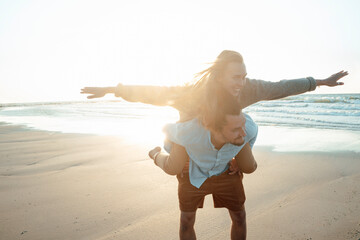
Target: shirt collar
[{"x": 209, "y": 139}]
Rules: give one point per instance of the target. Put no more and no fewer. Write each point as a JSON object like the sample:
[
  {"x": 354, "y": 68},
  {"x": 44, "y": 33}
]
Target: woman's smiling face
[{"x": 233, "y": 79}]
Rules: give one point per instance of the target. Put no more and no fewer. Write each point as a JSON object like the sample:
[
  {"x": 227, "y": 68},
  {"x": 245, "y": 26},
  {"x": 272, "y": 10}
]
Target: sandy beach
[{"x": 78, "y": 186}]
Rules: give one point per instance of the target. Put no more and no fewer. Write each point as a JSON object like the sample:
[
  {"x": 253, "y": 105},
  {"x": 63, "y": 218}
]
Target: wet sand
[{"x": 76, "y": 186}]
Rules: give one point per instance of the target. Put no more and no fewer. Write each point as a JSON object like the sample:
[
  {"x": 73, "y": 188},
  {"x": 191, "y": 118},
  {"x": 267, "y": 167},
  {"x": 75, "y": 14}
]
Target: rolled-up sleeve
[
  {"x": 253, "y": 139},
  {"x": 251, "y": 130}
]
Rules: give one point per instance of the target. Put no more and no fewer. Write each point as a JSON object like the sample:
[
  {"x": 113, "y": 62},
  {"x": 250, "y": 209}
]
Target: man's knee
[
  {"x": 238, "y": 217},
  {"x": 187, "y": 219}
]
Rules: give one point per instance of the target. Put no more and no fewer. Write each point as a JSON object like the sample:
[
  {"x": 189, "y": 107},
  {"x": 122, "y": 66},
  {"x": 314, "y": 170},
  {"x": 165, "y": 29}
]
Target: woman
[{"x": 228, "y": 72}]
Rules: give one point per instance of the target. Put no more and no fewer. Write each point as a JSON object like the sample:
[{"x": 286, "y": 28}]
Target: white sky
[{"x": 51, "y": 49}]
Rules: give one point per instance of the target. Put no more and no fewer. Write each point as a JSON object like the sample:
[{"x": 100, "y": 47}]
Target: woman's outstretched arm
[
  {"x": 155, "y": 95},
  {"x": 259, "y": 90}
]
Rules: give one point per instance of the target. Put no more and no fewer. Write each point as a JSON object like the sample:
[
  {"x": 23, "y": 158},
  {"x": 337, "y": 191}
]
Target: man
[{"x": 209, "y": 151}]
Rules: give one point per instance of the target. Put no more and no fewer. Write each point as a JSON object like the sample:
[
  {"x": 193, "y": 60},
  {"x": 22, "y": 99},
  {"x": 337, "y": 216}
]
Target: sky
[{"x": 49, "y": 50}]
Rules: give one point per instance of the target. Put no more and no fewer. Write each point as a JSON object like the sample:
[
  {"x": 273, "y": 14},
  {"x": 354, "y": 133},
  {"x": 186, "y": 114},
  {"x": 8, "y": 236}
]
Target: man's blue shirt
[{"x": 205, "y": 159}]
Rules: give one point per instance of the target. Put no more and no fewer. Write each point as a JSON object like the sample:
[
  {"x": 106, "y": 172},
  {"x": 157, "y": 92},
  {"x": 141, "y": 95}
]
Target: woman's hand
[
  {"x": 234, "y": 168},
  {"x": 332, "y": 81},
  {"x": 97, "y": 92}
]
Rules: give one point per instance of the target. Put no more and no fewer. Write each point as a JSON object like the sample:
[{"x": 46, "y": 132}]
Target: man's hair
[{"x": 213, "y": 116}]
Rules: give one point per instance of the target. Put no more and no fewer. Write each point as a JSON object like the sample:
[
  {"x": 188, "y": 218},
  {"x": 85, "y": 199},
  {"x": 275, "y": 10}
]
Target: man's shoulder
[
  {"x": 191, "y": 131},
  {"x": 187, "y": 126},
  {"x": 251, "y": 127}
]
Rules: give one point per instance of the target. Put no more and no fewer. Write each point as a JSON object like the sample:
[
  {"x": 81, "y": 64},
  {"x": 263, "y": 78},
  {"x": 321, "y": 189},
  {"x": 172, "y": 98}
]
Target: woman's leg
[
  {"x": 175, "y": 162},
  {"x": 172, "y": 163}
]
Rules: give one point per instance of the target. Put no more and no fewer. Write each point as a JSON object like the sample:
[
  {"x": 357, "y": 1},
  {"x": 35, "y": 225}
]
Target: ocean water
[{"x": 308, "y": 122}]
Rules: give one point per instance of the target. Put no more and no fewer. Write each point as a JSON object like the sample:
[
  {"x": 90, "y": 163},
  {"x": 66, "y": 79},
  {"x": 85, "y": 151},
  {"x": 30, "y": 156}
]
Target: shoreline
[
  {"x": 263, "y": 143},
  {"x": 78, "y": 186}
]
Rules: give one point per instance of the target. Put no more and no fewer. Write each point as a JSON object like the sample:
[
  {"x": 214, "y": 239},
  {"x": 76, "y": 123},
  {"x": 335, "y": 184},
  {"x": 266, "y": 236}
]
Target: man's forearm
[{"x": 245, "y": 160}]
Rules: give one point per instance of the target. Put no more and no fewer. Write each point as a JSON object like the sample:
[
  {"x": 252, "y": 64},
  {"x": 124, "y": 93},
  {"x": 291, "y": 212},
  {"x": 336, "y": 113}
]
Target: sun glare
[{"x": 158, "y": 43}]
